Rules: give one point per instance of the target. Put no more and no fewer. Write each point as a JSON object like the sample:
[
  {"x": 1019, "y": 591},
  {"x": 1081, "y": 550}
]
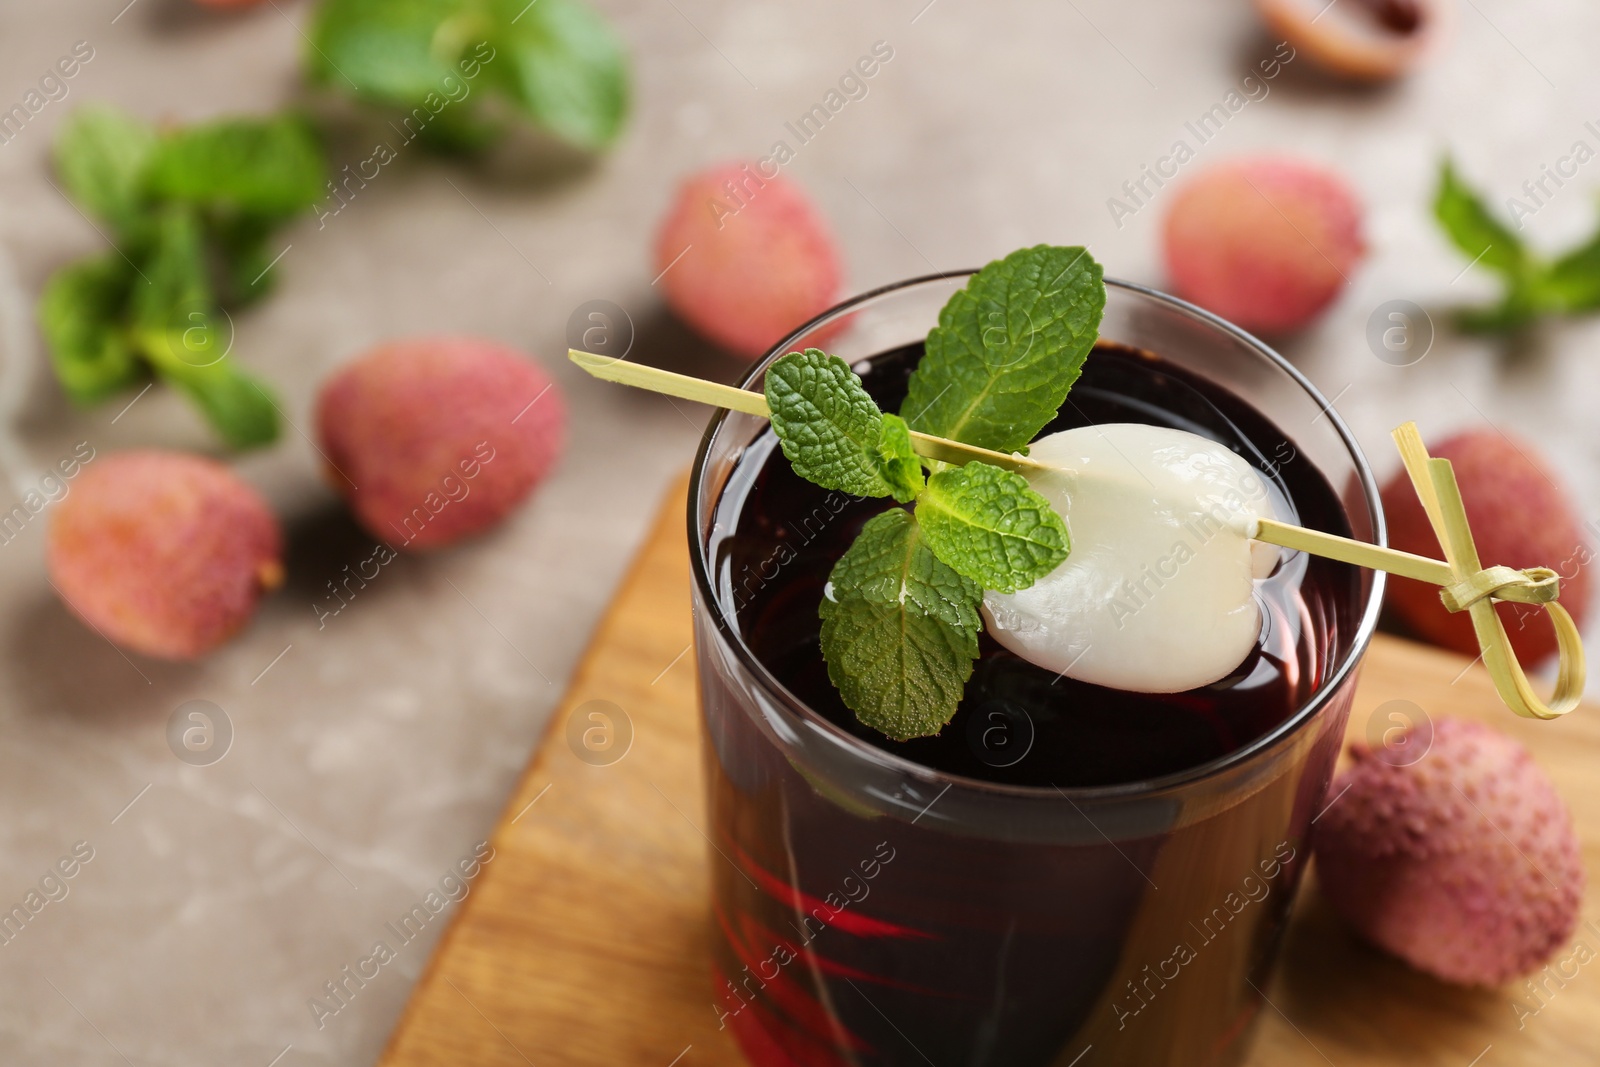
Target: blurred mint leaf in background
[
  {"x": 174, "y": 272},
  {"x": 236, "y": 404},
  {"x": 102, "y": 156},
  {"x": 382, "y": 50},
  {"x": 571, "y": 74},
  {"x": 1534, "y": 286},
  {"x": 244, "y": 255},
  {"x": 264, "y": 168},
  {"x": 192, "y": 212},
  {"x": 80, "y": 314},
  {"x": 1572, "y": 282},
  {"x": 556, "y": 63},
  {"x": 1472, "y": 227}
]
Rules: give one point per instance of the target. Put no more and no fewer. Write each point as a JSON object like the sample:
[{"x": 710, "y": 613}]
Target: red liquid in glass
[{"x": 848, "y": 939}]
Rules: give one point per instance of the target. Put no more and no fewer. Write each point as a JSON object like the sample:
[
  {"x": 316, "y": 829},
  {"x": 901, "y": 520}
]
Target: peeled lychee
[
  {"x": 745, "y": 259},
  {"x": 1266, "y": 243},
  {"x": 1365, "y": 40},
  {"x": 1519, "y": 518},
  {"x": 1463, "y": 863},
  {"x": 162, "y": 552},
  {"x": 436, "y": 439}
]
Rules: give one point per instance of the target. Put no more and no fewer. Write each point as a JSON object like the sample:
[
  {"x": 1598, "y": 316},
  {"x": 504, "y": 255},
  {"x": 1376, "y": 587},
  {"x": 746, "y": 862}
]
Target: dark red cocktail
[{"x": 1066, "y": 870}]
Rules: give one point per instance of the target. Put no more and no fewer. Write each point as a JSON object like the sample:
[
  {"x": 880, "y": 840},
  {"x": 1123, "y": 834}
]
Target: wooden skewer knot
[
  {"x": 1475, "y": 588},
  {"x": 1535, "y": 585}
]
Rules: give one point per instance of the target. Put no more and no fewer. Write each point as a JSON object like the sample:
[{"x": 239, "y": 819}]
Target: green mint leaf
[
  {"x": 237, "y": 405},
  {"x": 566, "y": 68},
  {"x": 384, "y": 50},
  {"x": 897, "y": 463},
  {"x": 245, "y": 251},
  {"x": 1008, "y": 348},
  {"x": 987, "y": 524},
  {"x": 1473, "y": 228},
  {"x": 1572, "y": 282},
  {"x": 270, "y": 167},
  {"x": 899, "y": 630},
  {"x": 556, "y": 61},
  {"x": 900, "y": 671},
  {"x": 174, "y": 286},
  {"x": 829, "y": 427},
  {"x": 103, "y": 155},
  {"x": 195, "y": 361},
  {"x": 186, "y": 338},
  {"x": 80, "y": 315},
  {"x": 889, "y": 563}
]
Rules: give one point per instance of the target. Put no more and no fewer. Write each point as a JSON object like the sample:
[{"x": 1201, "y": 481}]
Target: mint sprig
[
  {"x": 190, "y": 211},
  {"x": 900, "y": 618},
  {"x": 1534, "y": 286}
]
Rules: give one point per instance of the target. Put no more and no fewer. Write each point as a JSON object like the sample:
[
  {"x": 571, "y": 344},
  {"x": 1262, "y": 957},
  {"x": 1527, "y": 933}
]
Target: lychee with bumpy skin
[
  {"x": 1519, "y": 518},
  {"x": 162, "y": 552},
  {"x": 436, "y": 439},
  {"x": 745, "y": 259},
  {"x": 1266, "y": 243},
  {"x": 1463, "y": 863}
]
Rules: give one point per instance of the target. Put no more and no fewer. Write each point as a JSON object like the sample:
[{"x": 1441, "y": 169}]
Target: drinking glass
[{"x": 870, "y": 911}]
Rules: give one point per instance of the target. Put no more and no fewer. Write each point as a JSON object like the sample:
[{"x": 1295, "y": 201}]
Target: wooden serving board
[{"x": 584, "y": 942}]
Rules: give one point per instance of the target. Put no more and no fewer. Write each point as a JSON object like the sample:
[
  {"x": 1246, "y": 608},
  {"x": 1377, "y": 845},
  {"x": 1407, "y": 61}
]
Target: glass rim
[{"x": 1332, "y": 683}]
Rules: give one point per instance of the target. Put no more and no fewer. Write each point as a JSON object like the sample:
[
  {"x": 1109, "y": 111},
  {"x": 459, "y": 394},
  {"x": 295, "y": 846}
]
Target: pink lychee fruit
[
  {"x": 745, "y": 259},
  {"x": 162, "y": 552},
  {"x": 435, "y": 439},
  {"x": 1266, "y": 242},
  {"x": 1519, "y": 518},
  {"x": 1463, "y": 863}
]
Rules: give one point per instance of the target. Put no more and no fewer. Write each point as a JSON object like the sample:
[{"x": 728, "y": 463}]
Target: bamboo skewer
[
  {"x": 1360, "y": 553},
  {"x": 1465, "y": 584},
  {"x": 749, "y": 402}
]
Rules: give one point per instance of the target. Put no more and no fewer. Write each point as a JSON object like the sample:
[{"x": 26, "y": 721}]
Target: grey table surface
[{"x": 372, "y": 751}]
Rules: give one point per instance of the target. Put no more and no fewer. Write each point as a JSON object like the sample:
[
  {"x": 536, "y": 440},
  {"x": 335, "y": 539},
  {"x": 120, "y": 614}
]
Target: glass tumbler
[{"x": 871, "y": 911}]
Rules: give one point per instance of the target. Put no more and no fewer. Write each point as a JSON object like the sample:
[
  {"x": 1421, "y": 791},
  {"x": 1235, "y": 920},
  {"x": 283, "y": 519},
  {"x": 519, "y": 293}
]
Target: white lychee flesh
[{"x": 1157, "y": 594}]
